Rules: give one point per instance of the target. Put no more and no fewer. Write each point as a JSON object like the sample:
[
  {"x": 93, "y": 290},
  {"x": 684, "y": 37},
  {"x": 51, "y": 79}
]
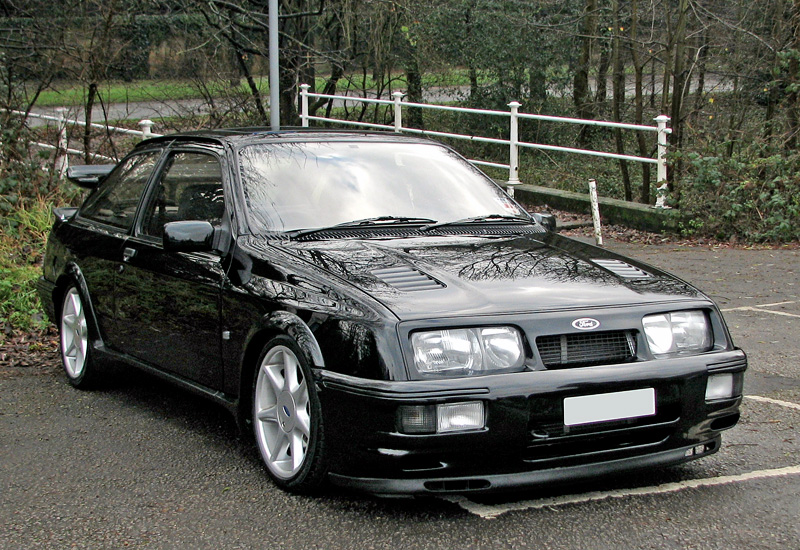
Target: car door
[
  {"x": 102, "y": 226},
  {"x": 168, "y": 303}
]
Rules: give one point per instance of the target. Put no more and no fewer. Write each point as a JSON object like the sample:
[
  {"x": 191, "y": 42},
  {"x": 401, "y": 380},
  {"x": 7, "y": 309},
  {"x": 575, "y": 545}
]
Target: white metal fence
[
  {"x": 62, "y": 149},
  {"x": 513, "y": 143}
]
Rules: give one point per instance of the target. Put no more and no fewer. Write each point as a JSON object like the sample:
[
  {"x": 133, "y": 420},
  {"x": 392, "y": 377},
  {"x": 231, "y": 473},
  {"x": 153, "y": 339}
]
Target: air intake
[
  {"x": 624, "y": 270},
  {"x": 406, "y": 278}
]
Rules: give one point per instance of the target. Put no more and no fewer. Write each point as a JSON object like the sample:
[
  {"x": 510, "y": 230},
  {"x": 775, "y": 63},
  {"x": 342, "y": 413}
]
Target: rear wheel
[
  {"x": 287, "y": 417},
  {"x": 76, "y": 353}
]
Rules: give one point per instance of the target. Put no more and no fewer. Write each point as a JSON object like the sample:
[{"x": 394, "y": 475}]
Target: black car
[{"x": 382, "y": 315}]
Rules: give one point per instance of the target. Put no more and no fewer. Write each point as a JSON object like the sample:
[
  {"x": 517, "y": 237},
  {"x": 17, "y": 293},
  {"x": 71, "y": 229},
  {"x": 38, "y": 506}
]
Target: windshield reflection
[{"x": 290, "y": 186}]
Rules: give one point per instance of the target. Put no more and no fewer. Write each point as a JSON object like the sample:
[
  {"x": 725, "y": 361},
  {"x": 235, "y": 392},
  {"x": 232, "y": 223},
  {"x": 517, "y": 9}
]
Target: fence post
[
  {"x": 398, "y": 111},
  {"x": 304, "y": 104},
  {"x": 62, "y": 158},
  {"x": 598, "y": 235},
  {"x": 663, "y": 132},
  {"x": 513, "y": 153},
  {"x": 146, "y": 126}
]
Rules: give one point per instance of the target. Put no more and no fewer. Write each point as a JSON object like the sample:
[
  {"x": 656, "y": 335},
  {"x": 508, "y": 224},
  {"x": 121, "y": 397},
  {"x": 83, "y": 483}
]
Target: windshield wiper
[
  {"x": 366, "y": 222},
  {"x": 480, "y": 219}
]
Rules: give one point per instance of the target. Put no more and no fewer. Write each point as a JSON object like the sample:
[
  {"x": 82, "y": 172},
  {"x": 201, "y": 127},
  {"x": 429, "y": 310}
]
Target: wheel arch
[
  {"x": 72, "y": 275},
  {"x": 269, "y": 326}
]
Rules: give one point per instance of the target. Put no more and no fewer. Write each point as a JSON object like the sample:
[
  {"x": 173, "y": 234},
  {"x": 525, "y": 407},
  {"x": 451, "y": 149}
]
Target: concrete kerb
[{"x": 613, "y": 211}]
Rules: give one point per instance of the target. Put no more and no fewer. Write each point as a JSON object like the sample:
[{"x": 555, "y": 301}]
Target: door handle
[{"x": 128, "y": 254}]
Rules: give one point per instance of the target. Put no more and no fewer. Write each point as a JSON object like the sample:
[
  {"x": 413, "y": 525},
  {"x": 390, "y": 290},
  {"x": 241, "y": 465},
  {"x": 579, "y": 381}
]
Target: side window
[
  {"x": 116, "y": 201},
  {"x": 190, "y": 189}
]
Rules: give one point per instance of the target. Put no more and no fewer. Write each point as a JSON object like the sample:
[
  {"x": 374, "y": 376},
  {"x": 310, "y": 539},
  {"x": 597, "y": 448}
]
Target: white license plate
[{"x": 606, "y": 407}]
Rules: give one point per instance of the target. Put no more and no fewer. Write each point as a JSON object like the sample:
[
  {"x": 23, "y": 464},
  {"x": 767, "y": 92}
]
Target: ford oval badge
[{"x": 586, "y": 323}]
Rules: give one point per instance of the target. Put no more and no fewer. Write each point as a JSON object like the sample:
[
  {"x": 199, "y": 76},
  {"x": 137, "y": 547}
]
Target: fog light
[
  {"x": 720, "y": 386},
  {"x": 457, "y": 417},
  {"x": 416, "y": 419}
]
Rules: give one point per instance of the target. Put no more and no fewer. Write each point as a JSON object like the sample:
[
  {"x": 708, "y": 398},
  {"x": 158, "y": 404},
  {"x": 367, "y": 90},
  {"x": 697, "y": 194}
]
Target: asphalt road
[{"x": 141, "y": 465}]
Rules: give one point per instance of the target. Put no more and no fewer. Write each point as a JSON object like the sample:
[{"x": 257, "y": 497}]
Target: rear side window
[{"x": 116, "y": 201}]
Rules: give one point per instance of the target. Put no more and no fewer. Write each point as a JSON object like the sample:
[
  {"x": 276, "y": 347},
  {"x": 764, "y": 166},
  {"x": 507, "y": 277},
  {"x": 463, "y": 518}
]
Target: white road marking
[
  {"x": 786, "y": 404},
  {"x": 493, "y": 511},
  {"x": 761, "y": 309},
  {"x": 777, "y": 304}
]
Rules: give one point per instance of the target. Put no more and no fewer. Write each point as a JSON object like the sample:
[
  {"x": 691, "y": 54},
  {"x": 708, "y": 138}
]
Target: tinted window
[
  {"x": 116, "y": 201},
  {"x": 190, "y": 189},
  {"x": 305, "y": 185}
]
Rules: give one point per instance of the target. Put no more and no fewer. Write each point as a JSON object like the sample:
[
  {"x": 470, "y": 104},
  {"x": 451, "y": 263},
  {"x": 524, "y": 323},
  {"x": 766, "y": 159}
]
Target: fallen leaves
[{"x": 33, "y": 352}]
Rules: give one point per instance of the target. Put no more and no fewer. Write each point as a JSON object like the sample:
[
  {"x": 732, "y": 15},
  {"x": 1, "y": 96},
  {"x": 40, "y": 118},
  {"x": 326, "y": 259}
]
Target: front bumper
[
  {"x": 524, "y": 479},
  {"x": 525, "y": 441}
]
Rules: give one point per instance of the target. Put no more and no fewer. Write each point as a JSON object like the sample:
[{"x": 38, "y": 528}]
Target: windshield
[{"x": 292, "y": 186}]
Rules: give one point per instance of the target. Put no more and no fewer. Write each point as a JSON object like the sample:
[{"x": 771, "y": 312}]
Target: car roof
[{"x": 252, "y": 135}]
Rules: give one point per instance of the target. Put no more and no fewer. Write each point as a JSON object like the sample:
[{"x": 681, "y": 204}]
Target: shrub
[{"x": 756, "y": 199}]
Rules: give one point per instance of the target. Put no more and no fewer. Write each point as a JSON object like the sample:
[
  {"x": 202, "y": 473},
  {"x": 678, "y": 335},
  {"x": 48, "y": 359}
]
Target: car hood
[{"x": 454, "y": 276}]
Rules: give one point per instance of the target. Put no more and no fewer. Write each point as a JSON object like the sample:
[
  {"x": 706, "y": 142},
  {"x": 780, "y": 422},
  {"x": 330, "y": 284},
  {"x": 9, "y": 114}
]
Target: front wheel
[
  {"x": 287, "y": 417},
  {"x": 76, "y": 352}
]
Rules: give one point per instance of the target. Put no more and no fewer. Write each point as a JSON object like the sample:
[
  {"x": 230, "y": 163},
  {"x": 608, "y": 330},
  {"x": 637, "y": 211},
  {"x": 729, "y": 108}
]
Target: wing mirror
[
  {"x": 548, "y": 221},
  {"x": 188, "y": 236},
  {"x": 90, "y": 175}
]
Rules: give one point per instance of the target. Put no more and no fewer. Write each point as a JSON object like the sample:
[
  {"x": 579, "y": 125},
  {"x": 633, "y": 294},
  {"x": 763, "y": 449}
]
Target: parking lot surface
[{"x": 138, "y": 464}]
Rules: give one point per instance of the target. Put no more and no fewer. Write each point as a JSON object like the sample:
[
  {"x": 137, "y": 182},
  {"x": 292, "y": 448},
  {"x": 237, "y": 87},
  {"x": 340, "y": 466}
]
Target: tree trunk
[
  {"x": 537, "y": 84},
  {"x": 253, "y": 87},
  {"x": 638, "y": 68},
  {"x": 602, "y": 76},
  {"x": 702, "y": 57},
  {"x": 619, "y": 98},
  {"x": 679, "y": 74},
  {"x": 580, "y": 88},
  {"x": 87, "y": 132},
  {"x": 473, "y": 82},
  {"x": 793, "y": 97},
  {"x": 414, "y": 91}
]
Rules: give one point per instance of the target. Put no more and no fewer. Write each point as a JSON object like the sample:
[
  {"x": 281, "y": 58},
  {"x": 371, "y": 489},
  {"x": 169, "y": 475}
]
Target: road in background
[{"x": 139, "y": 464}]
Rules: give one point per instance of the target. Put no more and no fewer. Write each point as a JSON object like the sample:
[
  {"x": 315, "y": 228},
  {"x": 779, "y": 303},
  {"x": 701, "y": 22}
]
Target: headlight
[
  {"x": 468, "y": 351},
  {"x": 677, "y": 332}
]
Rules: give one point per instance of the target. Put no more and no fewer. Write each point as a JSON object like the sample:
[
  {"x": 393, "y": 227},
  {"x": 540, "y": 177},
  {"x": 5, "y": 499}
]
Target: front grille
[{"x": 580, "y": 350}]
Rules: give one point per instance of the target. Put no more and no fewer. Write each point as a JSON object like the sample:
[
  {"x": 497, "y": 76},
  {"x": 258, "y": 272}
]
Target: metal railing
[
  {"x": 513, "y": 143},
  {"x": 62, "y": 149}
]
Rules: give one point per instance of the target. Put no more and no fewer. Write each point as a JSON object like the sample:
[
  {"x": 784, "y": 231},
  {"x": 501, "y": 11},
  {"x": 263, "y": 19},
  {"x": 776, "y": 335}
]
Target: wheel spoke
[
  {"x": 303, "y": 423},
  {"x": 298, "y": 453},
  {"x": 76, "y": 304},
  {"x": 270, "y": 414},
  {"x": 279, "y": 448},
  {"x": 273, "y": 375},
  {"x": 290, "y": 367},
  {"x": 71, "y": 350},
  {"x": 300, "y": 395},
  {"x": 69, "y": 321}
]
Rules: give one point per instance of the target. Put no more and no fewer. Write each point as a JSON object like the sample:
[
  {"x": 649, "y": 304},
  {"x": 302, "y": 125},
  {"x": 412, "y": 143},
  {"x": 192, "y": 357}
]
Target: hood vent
[
  {"x": 406, "y": 278},
  {"x": 622, "y": 269}
]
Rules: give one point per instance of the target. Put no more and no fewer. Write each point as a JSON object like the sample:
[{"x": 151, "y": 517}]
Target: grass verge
[{"x": 22, "y": 240}]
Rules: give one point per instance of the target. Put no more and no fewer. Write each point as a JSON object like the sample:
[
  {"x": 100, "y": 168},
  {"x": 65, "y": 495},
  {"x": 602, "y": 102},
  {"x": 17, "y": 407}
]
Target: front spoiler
[{"x": 521, "y": 480}]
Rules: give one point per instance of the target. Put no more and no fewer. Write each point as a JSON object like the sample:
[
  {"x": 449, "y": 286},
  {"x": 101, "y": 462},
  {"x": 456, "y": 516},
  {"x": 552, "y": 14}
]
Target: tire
[
  {"x": 287, "y": 418},
  {"x": 74, "y": 342}
]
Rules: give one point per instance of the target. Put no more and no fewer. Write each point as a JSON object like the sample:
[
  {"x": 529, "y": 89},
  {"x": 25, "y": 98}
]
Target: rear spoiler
[{"x": 89, "y": 176}]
